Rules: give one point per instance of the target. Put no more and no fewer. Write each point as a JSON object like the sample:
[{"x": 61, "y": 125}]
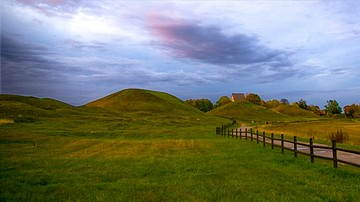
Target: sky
[{"x": 79, "y": 51}]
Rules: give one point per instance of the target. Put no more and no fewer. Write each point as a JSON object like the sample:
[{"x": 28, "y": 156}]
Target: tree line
[{"x": 331, "y": 108}]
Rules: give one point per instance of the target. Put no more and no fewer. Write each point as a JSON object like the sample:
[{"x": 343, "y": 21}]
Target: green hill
[
  {"x": 42, "y": 103},
  {"x": 247, "y": 111},
  {"x": 144, "y": 102},
  {"x": 28, "y": 109},
  {"x": 295, "y": 111},
  {"x": 151, "y": 107},
  {"x": 126, "y": 107}
]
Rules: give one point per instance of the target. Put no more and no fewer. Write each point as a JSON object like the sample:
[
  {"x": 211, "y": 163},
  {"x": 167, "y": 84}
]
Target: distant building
[{"x": 238, "y": 97}]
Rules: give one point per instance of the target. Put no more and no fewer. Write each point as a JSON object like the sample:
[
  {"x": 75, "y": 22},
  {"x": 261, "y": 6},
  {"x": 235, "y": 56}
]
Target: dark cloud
[
  {"x": 34, "y": 69},
  {"x": 81, "y": 45},
  {"x": 208, "y": 44},
  {"x": 26, "y": 68}
]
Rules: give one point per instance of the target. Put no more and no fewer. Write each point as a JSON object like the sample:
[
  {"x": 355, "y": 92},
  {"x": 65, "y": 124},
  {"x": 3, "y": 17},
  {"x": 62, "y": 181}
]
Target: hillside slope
[
  {"x": 26, "y": 108},
  {"x": 143, "y": 101},
  {"x": 295, "y": 111},
  {"x": 247, "y": 111},
  {"x": 152, "y": 107},
  {"x": 43, "y": 103}
]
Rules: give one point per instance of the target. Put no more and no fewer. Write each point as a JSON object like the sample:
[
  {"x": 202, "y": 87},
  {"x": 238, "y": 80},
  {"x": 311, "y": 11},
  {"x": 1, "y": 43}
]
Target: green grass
[
  {"x": 100, "y": 154},
  {"x": 144, "y": 102},
  {"x": 295, "y": 112},
  {"x": 251, "y": 113},
  {"x": 203, "y": 167},
  {"x": 61, "y": 160}
]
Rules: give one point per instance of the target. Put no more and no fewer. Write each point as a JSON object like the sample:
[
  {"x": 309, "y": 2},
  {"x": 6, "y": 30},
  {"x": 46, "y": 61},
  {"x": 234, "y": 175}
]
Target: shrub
[
  {"x": 254, "y": 98},
  {"x": 223, "y": 100},
  {"x": 339, "y": 136},
  {"x": 24, "y": 119}
]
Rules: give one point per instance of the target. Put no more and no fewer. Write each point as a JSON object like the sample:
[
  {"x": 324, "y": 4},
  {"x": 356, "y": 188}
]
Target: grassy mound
[
  {"x": 42, "y": 103},
  {"x": 247, "y": 111},
  {"x": 152, "y": 108},
  {"x": 144, "y": 102},
  {"x": 294, "y": 111},
  {"x": 29, "y": 109}
]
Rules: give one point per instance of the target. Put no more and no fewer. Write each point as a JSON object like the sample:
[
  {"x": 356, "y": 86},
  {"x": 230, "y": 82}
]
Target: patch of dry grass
[
  {"x": 319, "y": 130},
  {"x": 88, "y": 148},
  {"x": 6, "y": 121}
]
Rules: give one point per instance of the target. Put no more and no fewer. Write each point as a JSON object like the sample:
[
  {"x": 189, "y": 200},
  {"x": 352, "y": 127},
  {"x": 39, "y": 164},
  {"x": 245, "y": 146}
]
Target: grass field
[
  {"x": 319, "y": 130},
  {"x": 95, "y": 154},
  {"x": 161, "y": 166}
]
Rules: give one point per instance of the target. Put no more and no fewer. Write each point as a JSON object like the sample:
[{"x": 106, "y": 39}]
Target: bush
[
  {"x": 24, "y": 119},
  {"x": 254, "y": 98},
  {"x": 339, "y": 136}
]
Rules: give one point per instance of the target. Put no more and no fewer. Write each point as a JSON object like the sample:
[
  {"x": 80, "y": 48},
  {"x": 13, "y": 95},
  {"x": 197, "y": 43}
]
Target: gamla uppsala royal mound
[{"x": 145, "y": 102}]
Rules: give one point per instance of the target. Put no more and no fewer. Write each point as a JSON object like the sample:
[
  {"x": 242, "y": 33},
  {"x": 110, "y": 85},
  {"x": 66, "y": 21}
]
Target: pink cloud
[
  {"x": 189, "y": 39},
  {"x": 180, "y": 35}
]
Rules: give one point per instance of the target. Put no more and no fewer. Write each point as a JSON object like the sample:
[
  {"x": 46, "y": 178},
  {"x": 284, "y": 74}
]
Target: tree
[
  {"x": 272, "y": 103},
  {"x": 223, "y": 100},
  {"x": 315, "y": 109},
  {"x": 332, "y": 107},
  {"x": 284, "y": 101},
  {"x": 295, "y": 104},
  {"x": 254, "y": 98},
  {"x": 352, "y": 111},
  {"x": 302, "y": 104},
  {"x": 191, "y": 102},
  {"x": 204, "y": 105}
]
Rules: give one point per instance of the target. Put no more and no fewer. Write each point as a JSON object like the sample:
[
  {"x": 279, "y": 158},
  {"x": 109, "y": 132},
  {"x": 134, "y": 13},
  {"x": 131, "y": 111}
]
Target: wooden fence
[{"x": 291, "y": 145}]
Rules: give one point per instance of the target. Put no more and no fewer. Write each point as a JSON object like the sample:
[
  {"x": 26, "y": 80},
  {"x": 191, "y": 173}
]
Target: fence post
[
  {"x": 236, "y": 133},
  {"x": 257, "y": 136},
  {"x": 272, "y": 140},
  {"x": 240, "y": 133},
  {"x": 245, "y": 133},
  {"x": 251, "y": 134},
  {"x": 334, "y": 153},
  {"x": 311, "y": 150},
  {"x": 264, "y": 138},
  {"x": 228, "y": 130},
  {"x": 282, "y": 143},
  {"x": 295, "y": 147}
]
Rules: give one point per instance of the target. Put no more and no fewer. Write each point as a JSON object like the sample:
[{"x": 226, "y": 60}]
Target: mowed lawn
[{"x": 41, "y": 163}]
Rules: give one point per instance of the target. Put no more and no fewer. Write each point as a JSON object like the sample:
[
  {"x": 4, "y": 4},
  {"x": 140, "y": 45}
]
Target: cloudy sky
[{"x": 80, "y": 50}]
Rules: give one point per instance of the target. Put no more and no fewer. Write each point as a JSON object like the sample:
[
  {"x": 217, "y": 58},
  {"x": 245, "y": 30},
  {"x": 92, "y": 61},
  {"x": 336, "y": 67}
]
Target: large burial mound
[
  {"x": 295, "y": 111},
  {"x": 145, "y": 102},
  {"x": 27, "y": 108},
  {"x": 247, "y": 111}
]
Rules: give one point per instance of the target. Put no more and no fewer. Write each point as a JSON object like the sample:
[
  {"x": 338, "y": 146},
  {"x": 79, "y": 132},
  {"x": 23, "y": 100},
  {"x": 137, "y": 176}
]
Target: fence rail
[{"x": 309, "y": 149}]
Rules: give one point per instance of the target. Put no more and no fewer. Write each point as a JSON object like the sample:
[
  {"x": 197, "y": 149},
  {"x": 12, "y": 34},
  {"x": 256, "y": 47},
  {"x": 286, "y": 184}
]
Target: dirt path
[{"x": 345, "y": 156}]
